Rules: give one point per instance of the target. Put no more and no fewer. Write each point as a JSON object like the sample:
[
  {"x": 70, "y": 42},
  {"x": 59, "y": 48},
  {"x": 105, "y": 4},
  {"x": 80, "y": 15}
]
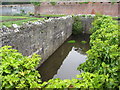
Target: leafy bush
[
  {"x": 88, "y": 80},
  {"x": 77, "y": 25},
  {"x": 104, "y": 55},
  {"x": 18, "y": 71}
]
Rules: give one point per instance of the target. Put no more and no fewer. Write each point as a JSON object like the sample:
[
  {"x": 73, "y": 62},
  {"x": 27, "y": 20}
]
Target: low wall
[
  {"x": 16, "y": 9},
  {"x": 42, "y": 37},
  {"x": 106, "y": 8},
  {"x": 87, "y": 24}
]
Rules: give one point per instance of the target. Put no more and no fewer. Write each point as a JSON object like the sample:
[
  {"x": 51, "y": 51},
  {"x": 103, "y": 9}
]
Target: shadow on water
[{"x": 64, "y": 61}]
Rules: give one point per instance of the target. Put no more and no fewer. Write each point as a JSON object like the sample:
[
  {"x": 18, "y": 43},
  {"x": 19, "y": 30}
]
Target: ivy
[{"x": 18, "y": 71}]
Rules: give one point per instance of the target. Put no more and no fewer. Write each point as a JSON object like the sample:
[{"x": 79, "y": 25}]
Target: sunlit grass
[
  {"x": 52, "y": 15},
  {"x": 12, "y": 17},
  {"x": 18, "y": 22}
]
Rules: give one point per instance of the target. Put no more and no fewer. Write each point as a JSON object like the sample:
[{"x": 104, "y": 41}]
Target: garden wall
[
  {"x": 42, "y": 37},
  {"x": 67, "y": 8},
  {"x": 16, "y": 9}
]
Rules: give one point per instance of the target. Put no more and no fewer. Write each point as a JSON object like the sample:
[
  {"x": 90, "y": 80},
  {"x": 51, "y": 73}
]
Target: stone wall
[
  {"x": 41, "y": 37},
  {"x": 107, "y": 8},
  {"x": 16, "y": 9},
  {"x": 87, "y": 24}
]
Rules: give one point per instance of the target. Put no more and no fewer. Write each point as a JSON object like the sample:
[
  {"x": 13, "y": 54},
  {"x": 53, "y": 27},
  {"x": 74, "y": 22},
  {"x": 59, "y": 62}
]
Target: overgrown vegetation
[
  {"x": 77, "y": 25},
  {"x": 18, "y": 71},
  {"x": 104, "y": 55},
  {"x": 101, "y": 70}
]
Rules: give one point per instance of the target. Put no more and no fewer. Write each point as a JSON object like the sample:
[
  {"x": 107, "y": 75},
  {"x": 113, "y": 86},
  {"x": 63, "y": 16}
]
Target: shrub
[
  {"x": 104, "y": 55},
  {"x": 18, "y": 71},
  {"x": 77, "y": 25},
  {"x": 89, "y": 80}
]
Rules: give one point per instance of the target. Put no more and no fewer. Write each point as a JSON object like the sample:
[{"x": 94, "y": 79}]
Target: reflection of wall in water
[
  {"x": 80, "y": 47},
  {"x": 50, "y": 67}
]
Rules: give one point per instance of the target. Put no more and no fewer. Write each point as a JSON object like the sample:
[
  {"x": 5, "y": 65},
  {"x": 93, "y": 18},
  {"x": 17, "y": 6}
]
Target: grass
[
  {"x": 11, "y": 17},
  {"x": 18, "y": 22},
  {"x": 52, "y": 15}
]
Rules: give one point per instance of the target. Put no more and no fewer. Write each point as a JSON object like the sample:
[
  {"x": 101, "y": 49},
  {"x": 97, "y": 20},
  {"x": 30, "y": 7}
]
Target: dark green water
[{"x": 64, "y": 62}]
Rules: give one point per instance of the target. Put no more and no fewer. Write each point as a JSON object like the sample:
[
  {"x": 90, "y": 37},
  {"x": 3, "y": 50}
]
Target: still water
[{"x": 64, "y": 61}]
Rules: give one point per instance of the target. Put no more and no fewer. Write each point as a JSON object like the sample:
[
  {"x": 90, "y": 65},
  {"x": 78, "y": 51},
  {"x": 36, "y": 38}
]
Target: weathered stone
[{"x": 38, "y": 37}]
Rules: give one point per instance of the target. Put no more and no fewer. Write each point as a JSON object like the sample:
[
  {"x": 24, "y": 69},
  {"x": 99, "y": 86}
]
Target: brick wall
[{"x": 106, "y": 8}]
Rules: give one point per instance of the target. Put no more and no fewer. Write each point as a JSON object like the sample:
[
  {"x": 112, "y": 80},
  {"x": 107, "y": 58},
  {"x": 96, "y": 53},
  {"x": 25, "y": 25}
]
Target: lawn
[
  {"x": 51, "y": 15},
  {"x": 9, "y": 20}
]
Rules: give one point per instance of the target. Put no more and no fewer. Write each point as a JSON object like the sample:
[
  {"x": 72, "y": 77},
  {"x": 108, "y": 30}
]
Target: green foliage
[
  {"x": 88, "y": 80},
  {"x": 83, "y": 2},
  {"x": 71, "y": 41},
  {"x": 53, "y": 3},
  {"x": 102, "y": 22},
  {"x": 18, "y": 71},
  {"x": 102, "y": 69},
  {"x": 36, "y": 3},
  {"x": 77, "y": 25},
  {"x": 104, "y": 55}
]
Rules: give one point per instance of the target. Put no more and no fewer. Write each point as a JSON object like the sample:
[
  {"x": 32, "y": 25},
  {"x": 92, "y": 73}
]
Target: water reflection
[{"x": 64, "y": 62}]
